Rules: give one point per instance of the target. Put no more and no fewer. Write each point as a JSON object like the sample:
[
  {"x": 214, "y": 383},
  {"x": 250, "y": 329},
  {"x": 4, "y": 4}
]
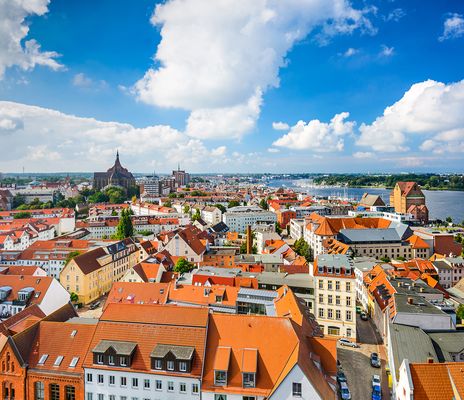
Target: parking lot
[{"x": 355, "y": 363}]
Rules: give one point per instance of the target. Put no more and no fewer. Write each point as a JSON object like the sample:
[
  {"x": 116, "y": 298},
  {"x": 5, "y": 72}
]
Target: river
[{"x": 441, "y": 203}]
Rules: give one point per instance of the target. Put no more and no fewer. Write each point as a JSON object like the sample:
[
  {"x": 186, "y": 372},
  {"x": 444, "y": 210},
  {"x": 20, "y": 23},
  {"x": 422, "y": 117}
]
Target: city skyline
[{"x": 239, "y": 87}]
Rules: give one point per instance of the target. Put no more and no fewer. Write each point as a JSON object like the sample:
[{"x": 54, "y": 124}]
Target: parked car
[
  {"x": 376, "y": 393},
  {"x": 375, "y": 381},
  {"x": 358, "y": 310},
  {"x": 364, "y": 316},
  {"x": 341, "y": 377},
  {"x": 375, "y": 360},
  {"x": 344, "y": 392},
  {"x": 346, "y": 342},
  {"x": 95, "y": 305}
]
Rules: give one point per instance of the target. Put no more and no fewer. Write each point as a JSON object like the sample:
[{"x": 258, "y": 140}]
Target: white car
[
  {"x": 375, "y": 381},
  {"x": 346, "y": 342}
]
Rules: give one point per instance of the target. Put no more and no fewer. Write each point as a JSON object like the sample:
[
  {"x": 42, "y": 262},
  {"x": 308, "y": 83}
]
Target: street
[{"x": 355, "y": 363}]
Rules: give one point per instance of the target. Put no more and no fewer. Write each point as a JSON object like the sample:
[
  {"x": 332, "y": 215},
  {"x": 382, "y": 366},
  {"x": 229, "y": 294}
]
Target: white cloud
[
  {"x": 350, "y": 52},
  {"x": 35, "y": 134},
  {"x": 81, "y": 80},
  {"x": 427, "y": 108},
  {"x": 280, "y": 126},
  {"x": 318, "y": 136},
  {"x": 363, "y": 154},
  {"x": 14, "y": 49},
  {"x": 273, "y": 150},
  {"x": 395, "y": 15},
  {"x": 387, "y": 51},
  {"x": 215, "y": 57},
  {"x": 453, "y": 27}
]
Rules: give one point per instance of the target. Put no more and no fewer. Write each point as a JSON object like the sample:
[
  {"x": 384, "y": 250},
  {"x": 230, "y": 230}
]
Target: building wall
[
  {"x": 425, "y": 321},
  {"x": 140, "y": 392},
  {"x": 284, "y": 391},
  {"x": 55, "y": 298},
  {"x": 405, "y": 389},
  {"x": 12, "y": 376},
  {"x": 63, "y": 380}
]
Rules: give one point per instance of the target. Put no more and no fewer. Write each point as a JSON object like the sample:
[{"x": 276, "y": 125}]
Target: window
[
  {"x": 111, "y": 360},
  {"x": 348, "y": 332},
  {"x": 182, "y": 387},
  {"x": 321, "y": 284},
  {"x": 89, "y": 396},
  {"x": 333, "y": 330},
  {"x": 220, "y": 397},
  {"x": 348, "y": 286},
  {"x": 146, "y": 383},
  {"x": 89, "y": 377},
  {"x": 123, "y": 381},
  {"x": 39, "y": 391},
  {"x": 220, "y": 378},
  {"x": 135, "y": 382},
  {"x": 348, "y": 315},
  {"x": 111, "y": 377},
  {"x": 58, "y": 361},
  {"x": 348, "y": 301},
  {"x": 195, "y": 388},
  {"x": 296, "y": 389},
  {"x": 329, "y": 285},
  {"x": 182, "y": 366},
  {"x": 158, "y": 364},
  {"x": 248, "y": 379},
  {"x": 42, "y": 360},
  {"x": 73, "y": 362},
  {"x": 123, "y": 361},
  {"x": 99, "y": 358},
  {"x": 248, "y": 398},
  {"x": 330, "y": 299},
  {"x": 70, "y": 392},
  {"x": 330, "y": 313},
  {"x": 321, "y": 299},
  {"x": 321, "y": 313},
  {"x": 170, "y": 365},
  {"x": 54, "y": 391},
  {"x": 101, "y": 396},
  {"x": 100, "y": 378},
  {"x": 112, "y": 397},
  {"x": 158, "y": 385},
  {"x": 337, "y": 300},
  {"x": 338, "y": 314},
  {"x": 337, "y": 285},
  {"x": 170, "y": 386}
]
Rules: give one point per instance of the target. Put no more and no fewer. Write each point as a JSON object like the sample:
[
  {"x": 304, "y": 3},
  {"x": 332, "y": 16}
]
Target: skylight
[
  {"x": 73, "y": 362},
  {"x": 42, "y": 359},
  {"x": 58, "y": 361}
]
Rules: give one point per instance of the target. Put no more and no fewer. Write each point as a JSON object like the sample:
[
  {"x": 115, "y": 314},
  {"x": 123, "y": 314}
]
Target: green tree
[
  {"x": 278, "y": 229},
  {"x": 197, "y": 215},
  {"x": 22, "y": 214},
  {"x": 186, "y": 209},
  {"x": 70, "y": 256},
  {"x": 114, "y": 213},
  {"x": 183, "y": 266},
  {"x": 263, "y": 204},
  {"x": 449, "y": 220},
  {"x": 74, "y": 297},
  {"x": 18, "y": 200},
  {"x": 460, "y": 312},
  {"x": 172, "y": 195},
  {"x": 243, "y": 249},
  {"x": 303, "y": 248},
  {"x": 125, "y": 228},
  {"x": 233, "y": 203},
  {"x": 221, "y": 207},
  {"x": 385, "y": 259},
  {"x": 167, "y": 203}
]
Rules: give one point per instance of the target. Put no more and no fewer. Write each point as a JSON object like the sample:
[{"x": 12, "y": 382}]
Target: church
[{"x": 117, "y": 175}]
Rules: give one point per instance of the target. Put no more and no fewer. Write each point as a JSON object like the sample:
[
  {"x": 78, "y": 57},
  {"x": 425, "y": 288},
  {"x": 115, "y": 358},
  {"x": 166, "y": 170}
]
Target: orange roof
[
  {"x": 326, "y": 349},
  {"x": 433, "y": 381},
  {"x": 417, "y": 242},
  {"x": 55, "y": 339},
  {"x": 249, "y": 360},
  {"x": 222, "y": 359},
  {"x": 138, "y": 293},
  {"x": 190, "y": 294},
  {"x": 40, "y": 284}
]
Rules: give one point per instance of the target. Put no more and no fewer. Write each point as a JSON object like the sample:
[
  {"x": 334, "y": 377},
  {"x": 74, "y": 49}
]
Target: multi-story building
[
  {"x": 117, "y": 175},
  {"x": 408, "y": 198},
  {"x": 335, "y": 295},
  {"x": 150, "y": 185},
  {"x": 450, "y": 270},
  {"x": 296, "y": 228},
  {"x": 91, "y": 274},
  {"x": 238, "y": 218},
  {"x": 182, "y": 178},
  {"x": 147, "y": 351}
]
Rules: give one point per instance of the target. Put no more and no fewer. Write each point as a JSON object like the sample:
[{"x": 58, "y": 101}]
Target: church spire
[{"x": 117, "y": 162}]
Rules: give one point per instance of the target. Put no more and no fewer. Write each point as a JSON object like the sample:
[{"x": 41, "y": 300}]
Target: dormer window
[
  {"x": 158, "y": 364},
  {"x": 111, "y": 360},
  {"x": 170, "y": 365},
  {"x": 218, "y": 299},
  {"x": 249, "y": 379},
  {"x": 100, "y": 358},
  {"x": 182, "y": 366},
  {"x": 220, "y": 378},
  {"x": 123, "y": 361}
]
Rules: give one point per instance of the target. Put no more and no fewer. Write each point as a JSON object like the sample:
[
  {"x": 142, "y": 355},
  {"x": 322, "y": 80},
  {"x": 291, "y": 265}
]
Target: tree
[
  {"x": 183, "y": 266},
  {"x": 18, "y": 200},
  {"x": 70, "y": 256},
  {"x": 303, "y": 248},
  {"x": 114, "y": 213},
  {"x": 172, "y": 195},
  {"x": 243, "y": 249},
  {"x": 233, "y": 203},
  {"x": 125, "y": 228},
  {"x": 385, "y": 259},
  {"x": 460, "y": 312},
  {"x": 221, "y": 207},
  {"x": 74, "y": 297},
  {"x": 263, "y": 204},
  {"x": 167, "y": 203},
  {"x": 449, "y": 220},
  {"x": 186, "y": 209},
  {"x": 278, "y": 229},
  {"x": 22, "y": 214},
  {"x": 197, "y": 215}
]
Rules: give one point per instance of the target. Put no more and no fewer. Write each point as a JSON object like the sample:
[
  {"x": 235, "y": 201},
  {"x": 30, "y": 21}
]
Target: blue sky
[{"x": 210, "y": 97}]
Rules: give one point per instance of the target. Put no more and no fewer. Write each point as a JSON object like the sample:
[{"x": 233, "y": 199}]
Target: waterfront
[{"x": 441, "y": 203}]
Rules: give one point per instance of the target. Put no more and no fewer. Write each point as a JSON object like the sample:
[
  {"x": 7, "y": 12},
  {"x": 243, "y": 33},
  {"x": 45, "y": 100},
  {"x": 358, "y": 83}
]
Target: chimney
[
  {"x": 249, "y": 240},
  {"x": 410, "y": 300},
  {"x": 429, "y": 360}
]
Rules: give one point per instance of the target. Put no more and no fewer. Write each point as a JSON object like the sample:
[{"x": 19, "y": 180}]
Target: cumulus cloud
[
  {"x": 363, "y": 154},
  {"x": 387, "y": 51},
  {"x": 273, "y": 150},
  {"x": 14, "y": 49},
  {"x": 350, "y": 52},
  {"x": 280, "y": 126},
  {"x": 453, "y": 27},
  {"x": 218, "y": 57},
  {"x": 428, "y": 108},
  {"x": 318, "y": 136},
  {"x": 395, "y": 15},
  {"x": 81, "y": 80},
  {"x": 36, "y": 134}
]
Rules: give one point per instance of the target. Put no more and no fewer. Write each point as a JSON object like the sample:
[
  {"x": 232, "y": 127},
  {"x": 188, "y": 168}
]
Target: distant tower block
[{"x": 249, "y": 240}]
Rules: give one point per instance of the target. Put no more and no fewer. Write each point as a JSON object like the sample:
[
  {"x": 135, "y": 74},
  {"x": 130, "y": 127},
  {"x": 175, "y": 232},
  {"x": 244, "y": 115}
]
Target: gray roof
[
  {"x": 334, "y": 261},
  {"x": 446, "y": 343},
  {"x": 180, "y": 352},
  {"x": 122, "y": 348},
  {"x": 419, "y": 306},
  {"x": 413, "y": 344},
  {"x": 442, "y": 265},
  {"x": 282, "y": 278},
  {"x": 408, "y": 286},
  {"x": 256, "y": 296},
  {"x": 369, "y": 235}
]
